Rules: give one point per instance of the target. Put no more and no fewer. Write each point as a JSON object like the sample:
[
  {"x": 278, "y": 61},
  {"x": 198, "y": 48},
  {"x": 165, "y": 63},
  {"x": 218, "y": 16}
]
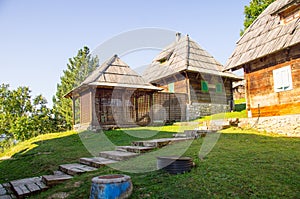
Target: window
[
  {"x": 204, "y": 86},
  {"x": 171, "y": 87},
  {"x": 219, "y": 88},
  {"x": 282, "y": 79}
]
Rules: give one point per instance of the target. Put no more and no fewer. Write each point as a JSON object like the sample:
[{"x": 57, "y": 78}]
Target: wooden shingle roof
[
  {"x": 266, "y": 35},
  {"x": 114, "y": 73},
  {"x": 184, "y": 54}
]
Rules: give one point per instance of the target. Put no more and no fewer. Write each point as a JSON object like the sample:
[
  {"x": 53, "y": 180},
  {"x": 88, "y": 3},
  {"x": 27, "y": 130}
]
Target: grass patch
[
  {"x": 227, "y": 115},
  {"x": 243, "y": 164},
  {"x": 240, "y": 101}
]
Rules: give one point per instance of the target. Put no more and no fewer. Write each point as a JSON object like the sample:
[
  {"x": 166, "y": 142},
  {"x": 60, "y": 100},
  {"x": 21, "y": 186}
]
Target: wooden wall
[
  {"x": 169, "y": 106},
  {"x": 210, "y": 96},
  {"x": 179, "y": 80},
  {"x": 85, "y": 108},
  {"x": 190, "y": 83},
  {"x": 260, "y": 85}
]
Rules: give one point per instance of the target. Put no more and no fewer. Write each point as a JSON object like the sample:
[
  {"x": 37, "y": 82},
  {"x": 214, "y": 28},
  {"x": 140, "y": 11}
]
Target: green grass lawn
[
  {"x": 243, "y": 164},
  {"x": 240, "y": 101}
]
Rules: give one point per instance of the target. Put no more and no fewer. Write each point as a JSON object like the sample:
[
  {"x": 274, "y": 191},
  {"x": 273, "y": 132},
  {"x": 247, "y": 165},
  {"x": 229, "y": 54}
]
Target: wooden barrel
[
  {"x": 175, "y": 164},
  {"x": 111, "y": 186}
]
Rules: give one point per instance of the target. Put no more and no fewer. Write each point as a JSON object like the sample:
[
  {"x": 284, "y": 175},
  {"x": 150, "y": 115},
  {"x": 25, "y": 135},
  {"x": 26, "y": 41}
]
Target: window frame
[
  {"x": 219, "y": 86},
  {"x": 282, "y": 83},
  {"x": 171, "y": 87},
  {"x": 203, "y": 85}
]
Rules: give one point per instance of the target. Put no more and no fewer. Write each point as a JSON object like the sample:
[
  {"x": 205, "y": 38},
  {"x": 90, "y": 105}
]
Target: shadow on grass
[
  {"x": 44, "y": 157},
  {"x": 241, "y": 165},
  {"x": 240, "y": 107}
]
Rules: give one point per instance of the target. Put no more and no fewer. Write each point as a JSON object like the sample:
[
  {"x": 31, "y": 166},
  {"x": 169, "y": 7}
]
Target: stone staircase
[{"x": 29, "y": 186}]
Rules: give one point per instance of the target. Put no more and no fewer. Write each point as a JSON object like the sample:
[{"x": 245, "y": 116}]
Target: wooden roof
[
  {"x": 266, "y": 35},
  {"x": 183, "y": 55},
  {"x": 114, "y": 73}
]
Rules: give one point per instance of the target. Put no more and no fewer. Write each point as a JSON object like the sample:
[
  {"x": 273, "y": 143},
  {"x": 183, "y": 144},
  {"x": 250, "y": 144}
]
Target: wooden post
[
  {"x": 94, "y": 121},
  {"x": 151, "y": 107},
  {"x": 187, "y": 82},
  {"x": 73, "y": 106},
  {"x": 136, "y": 109}
]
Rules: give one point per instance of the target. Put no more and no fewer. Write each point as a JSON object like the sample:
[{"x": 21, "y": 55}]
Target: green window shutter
[
  {"x": 171, "y": 87},
  {"x": 204, "y": 86},
  {"x": 219, "y": 88}
]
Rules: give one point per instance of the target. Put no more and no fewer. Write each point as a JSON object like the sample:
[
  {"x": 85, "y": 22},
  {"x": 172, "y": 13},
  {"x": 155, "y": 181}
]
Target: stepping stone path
[
  {"x": 75, "y": 168},
  {"x": 135, "y": 149},
  {"x": 117, "y": 155},
  {"x": 28, "y": 186},
  {"x": 96, "y": 162}
]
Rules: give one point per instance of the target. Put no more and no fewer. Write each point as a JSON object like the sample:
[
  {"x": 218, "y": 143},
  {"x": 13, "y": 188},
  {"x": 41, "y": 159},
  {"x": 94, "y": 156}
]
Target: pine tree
[
  {"x": 78, "y": 68},
  {"x": 255, "y": 8}
]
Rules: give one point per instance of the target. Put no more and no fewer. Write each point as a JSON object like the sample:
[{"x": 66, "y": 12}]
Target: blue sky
[{"x": 37, "y": 37}]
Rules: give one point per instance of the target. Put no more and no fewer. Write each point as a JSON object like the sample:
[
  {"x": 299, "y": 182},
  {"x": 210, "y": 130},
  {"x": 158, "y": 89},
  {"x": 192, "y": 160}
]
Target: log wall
[
  {"x": 85, "y": 108},
  {"x": 262, "y": 99},
  {"x": 210, "y": 96}
]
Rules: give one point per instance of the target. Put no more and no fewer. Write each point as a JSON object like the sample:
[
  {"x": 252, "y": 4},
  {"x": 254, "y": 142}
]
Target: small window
[
  {"x": 204, "y": 86},
  {"x": 282, "y": 79},
  {"x": 171, "y": 87},
  {"x": 219, "y": 88}
]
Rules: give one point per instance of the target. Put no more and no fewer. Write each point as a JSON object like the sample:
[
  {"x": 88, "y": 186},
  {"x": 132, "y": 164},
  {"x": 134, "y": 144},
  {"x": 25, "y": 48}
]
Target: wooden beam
[
  {"x": 187, "y": 82},
  {"x": 73, "y": 106}
]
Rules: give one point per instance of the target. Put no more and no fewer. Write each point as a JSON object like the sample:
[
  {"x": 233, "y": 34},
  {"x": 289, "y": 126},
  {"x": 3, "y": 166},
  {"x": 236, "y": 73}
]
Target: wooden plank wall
[
  {"x": 121, "y": 106},
  {"x": 179, "y": 81},
  {"x": 260, "y": 85},
  {"x": 85, "y": 108},
  {"x": 199, "y": 96},
  {"x": 173, "y": 104}
]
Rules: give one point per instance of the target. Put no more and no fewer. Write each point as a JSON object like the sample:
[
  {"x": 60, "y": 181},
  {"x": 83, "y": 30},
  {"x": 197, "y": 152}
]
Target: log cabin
[
  {"x": 185, "y": 67},
  {"x": 269, "y": 54},
  {"x": 114, "y": 95}
]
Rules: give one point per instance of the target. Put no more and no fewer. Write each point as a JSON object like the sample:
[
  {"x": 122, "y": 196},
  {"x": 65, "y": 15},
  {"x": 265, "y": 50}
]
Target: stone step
[
  {"x": 179, "y": 135},
  {"x": 135, "y": 149},
  {"x": 51, "y": 180},
  {"x": 6, "y": 191},
  {"x": 28, "y": 186},
  {"x": 159, "y": 142},
  {"x": 96, "y": 162},
  {"x": 117, "y": 155},
  {"x": 75, "y": 168}
]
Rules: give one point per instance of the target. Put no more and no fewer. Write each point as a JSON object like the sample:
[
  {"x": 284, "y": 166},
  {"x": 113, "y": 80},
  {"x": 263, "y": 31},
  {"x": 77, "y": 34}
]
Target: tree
[
  {"x": 78, "y": 68},
  {"x": 21, "y": 117},
  {"x": 255, "y": 8}
]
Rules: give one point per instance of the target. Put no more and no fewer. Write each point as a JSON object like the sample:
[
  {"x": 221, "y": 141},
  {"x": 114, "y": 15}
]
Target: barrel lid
[
  {"x": 174, "y": 158},
  {"x": 113, "y": 178}
]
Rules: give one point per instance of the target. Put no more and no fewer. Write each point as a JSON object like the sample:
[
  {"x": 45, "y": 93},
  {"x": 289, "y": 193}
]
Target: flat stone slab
[
  {"x": 179, "y": 135},
  {"x": 117, "y": 155},
  {"x": 28, "y": 186},
  {"x": 135, "y": 149},
  {"x": 75, "y": 169},
  {"x": 6, "y": 197},
  {"x": 96, "y": 162},
  {"x": 159, "y": 142},
  {"x": 51, "y": 180},
  {"x": 6, "y": 192}
]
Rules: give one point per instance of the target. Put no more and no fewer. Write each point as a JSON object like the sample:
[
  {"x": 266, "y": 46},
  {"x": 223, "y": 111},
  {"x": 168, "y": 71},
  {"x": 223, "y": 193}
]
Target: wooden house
[
  {"x": 238, "y": 90},
  {"x": 269, "y": 53},
  {"x": 184, "y": 67},
  {"x": 113, "y": 95}
]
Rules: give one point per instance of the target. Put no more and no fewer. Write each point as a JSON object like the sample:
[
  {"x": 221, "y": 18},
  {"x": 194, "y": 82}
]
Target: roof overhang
[{"x": 76, "y": 92}]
